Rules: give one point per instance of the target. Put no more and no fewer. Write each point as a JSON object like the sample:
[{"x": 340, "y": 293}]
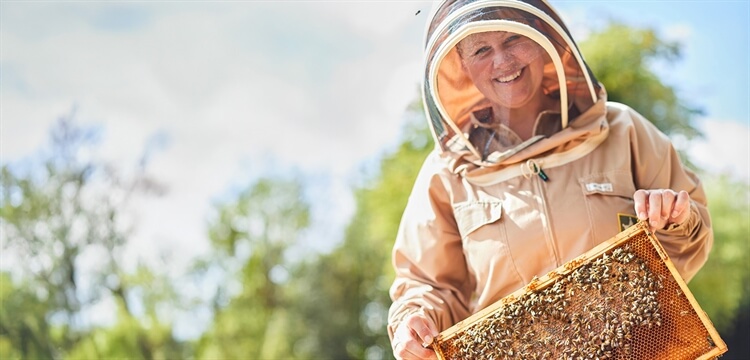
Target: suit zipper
[{"x": 545, "y": 216}]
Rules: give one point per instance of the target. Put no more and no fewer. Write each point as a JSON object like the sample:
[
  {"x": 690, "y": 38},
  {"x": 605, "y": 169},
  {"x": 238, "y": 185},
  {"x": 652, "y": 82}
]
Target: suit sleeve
[
  {"x": 431, "y": 272},
  {"x": 657, "y": 165}
]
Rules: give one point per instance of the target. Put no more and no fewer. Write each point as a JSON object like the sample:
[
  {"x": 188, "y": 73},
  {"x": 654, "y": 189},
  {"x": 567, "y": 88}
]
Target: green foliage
[
  {"x": 58, "y": 210},
  {"x": 24, "y": 331},
  {"x": 347, "y": 290},
  {"x": 251, "y": 236},
  {"x": 621, "y": 58},
  {"x": 128, "y": 337},
  {"x": 723, "y": 284},
  {"x": 373, "y": 229}
]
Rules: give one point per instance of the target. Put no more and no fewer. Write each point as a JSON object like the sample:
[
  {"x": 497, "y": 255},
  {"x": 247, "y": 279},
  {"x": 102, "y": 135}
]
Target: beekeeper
[{"x": 532, "y": 167}]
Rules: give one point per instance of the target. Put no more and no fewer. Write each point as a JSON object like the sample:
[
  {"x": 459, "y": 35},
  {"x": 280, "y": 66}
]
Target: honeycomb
[{"x": 621, "y": 300}]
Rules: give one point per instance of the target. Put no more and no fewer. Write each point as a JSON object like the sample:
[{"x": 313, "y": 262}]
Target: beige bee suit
[{"x": 476, "y": 229}]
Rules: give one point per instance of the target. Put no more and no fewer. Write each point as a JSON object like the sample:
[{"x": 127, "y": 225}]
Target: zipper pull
[
  {"x": 541, "y": 173},
  {"x": 535, "y": 168}
]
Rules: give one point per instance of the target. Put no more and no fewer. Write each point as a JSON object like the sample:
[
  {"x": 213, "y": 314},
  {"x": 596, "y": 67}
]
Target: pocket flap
[{"x": 473, "y": 215}]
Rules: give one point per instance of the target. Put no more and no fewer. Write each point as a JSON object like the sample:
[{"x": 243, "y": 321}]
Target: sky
[{"x": 225, "y": 92}]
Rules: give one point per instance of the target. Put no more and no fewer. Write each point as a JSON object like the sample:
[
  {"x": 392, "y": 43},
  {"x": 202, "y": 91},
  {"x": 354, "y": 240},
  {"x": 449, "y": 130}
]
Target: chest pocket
[
  {"x": 609, "y": 197},
  {"x": 482, "y": 234},
  {"x": 470, "y": 216},
  {"x": 485, "y": 246}
]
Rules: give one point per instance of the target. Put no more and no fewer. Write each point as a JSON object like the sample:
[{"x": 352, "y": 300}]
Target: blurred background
[{"x": 224, "y": 180}]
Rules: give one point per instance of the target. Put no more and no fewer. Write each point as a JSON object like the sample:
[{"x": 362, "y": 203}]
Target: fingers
[
  {"x": 411, "y": 336},
  {"x": 661, "y": 207},
  {"x": 667, "y": 203},
  {"x": 648, "y": 207},
  {"x": 654, "y": 209},
  {"x": 641, "y": 199},
  {"x": 681, "y": 210},
  {"x": 427, "y": 331},
  {"x": 412, "y": 350}
]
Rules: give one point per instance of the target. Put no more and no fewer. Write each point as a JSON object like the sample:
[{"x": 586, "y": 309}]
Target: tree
[
  {"x": 24, "y": 332},
  {"x": 621, "y": 58},
  {"x": 723, "y": 300},
  {"x": 250, "y": 237},
  {"x": 58, "y": 211},
  {"x": 344, "y": 294}
]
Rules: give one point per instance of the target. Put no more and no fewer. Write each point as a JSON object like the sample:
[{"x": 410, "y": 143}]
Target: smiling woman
[
  {"x": 532, "y": 168},
  {"x": 508, "y": 68},
  {"x": 498, "y": 69}
]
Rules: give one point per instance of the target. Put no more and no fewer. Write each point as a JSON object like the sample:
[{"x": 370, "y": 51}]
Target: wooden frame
[{"x": 621, "y": 239}]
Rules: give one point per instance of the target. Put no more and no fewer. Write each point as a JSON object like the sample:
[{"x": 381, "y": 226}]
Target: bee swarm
[
  {"x": 624, "y": 299},
  {"x": 532, "y": 327}
]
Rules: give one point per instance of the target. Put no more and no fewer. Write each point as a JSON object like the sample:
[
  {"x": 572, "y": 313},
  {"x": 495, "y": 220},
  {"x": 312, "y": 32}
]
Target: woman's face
[{"x": 506, "y": 67}]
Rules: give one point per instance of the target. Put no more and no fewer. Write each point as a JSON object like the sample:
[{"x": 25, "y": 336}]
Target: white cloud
[
  {"x": 224, "y": 91},
  {"x": 577, "y": 21},
  {"x": 679, "y": 32},
  {"x": 373, "y": 19},
  {"x": 725, "y": 148}
]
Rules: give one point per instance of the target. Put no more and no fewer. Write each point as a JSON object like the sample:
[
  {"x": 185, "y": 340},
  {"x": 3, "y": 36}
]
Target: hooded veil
[{"x": 468, "y": 123}]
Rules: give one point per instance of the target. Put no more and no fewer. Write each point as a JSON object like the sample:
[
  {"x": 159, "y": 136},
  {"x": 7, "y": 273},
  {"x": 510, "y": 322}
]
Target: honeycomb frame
[{"x": 623, "y": 299}]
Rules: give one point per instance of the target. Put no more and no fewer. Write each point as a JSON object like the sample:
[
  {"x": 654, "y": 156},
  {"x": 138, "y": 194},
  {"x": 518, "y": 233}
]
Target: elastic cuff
[{"x": 684, "y": 228}]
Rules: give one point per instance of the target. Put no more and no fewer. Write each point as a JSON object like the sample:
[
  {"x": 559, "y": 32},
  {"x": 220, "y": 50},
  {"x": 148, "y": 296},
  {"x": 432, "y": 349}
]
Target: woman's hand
[
  {"x": 411, "y": 334},
  {"x": 662, "y": 207}
]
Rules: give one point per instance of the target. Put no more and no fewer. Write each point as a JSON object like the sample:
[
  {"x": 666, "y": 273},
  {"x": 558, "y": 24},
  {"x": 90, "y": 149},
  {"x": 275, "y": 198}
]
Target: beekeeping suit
[{"x": 502, "y": 199}]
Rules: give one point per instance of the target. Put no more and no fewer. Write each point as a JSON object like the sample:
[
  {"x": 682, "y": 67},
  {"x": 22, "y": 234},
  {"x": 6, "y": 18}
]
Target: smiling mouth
[{"x": 509, "y": 78}]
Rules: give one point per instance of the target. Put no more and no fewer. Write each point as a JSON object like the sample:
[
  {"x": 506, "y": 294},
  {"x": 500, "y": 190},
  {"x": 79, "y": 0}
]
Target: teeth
[{"x": 510, "y": 77}]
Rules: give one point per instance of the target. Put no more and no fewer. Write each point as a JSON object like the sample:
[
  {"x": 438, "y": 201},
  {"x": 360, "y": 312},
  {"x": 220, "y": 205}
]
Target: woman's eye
[
  {"x": 481, "y": 50},
  {"x": 512, "y": 38}
]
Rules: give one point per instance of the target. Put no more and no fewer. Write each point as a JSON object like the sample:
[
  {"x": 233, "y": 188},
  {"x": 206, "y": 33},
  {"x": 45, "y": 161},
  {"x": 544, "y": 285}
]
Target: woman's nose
[{"x": 501, "y": 59}]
